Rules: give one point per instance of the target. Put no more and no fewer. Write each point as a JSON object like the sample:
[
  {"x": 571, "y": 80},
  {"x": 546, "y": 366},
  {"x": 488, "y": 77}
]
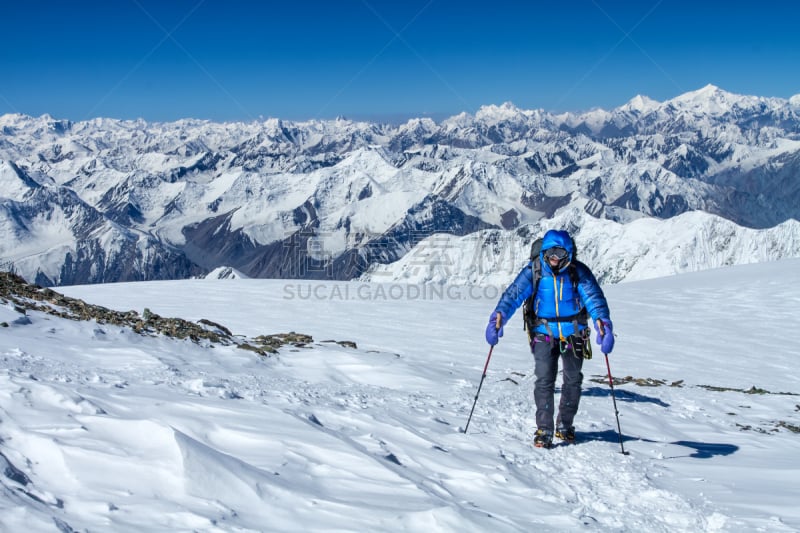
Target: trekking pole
[
  {"x": 614, "y": 399},
  {"x": 479, "y": 388},
  {"x": 486, "y": 366}
]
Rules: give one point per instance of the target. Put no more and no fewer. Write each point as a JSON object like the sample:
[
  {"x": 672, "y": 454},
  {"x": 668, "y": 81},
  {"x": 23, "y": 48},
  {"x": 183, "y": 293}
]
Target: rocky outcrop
[{"x": 24, "y": 297}]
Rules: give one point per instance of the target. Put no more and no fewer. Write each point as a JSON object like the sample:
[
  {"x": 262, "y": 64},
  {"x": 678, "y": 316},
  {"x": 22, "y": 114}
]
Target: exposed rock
[
  {"x": 346, "y": 344},
  {"x": 24, "y": 296},
  {"x": 652, "y": 382},
  {"x": 298, "y": 340}
]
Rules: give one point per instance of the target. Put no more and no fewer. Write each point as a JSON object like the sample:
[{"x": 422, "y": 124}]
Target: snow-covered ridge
[
  {"x": 108, "y": 200},
  {"x": 224, "y": 272},
  {"x": 644, "y": 248}
]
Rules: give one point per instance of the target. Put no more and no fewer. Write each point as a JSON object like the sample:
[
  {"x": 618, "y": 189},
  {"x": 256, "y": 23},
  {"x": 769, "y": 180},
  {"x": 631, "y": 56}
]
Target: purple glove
[
  {"x": 605, "y": 335},
  {"x": 493, "y": 333}
]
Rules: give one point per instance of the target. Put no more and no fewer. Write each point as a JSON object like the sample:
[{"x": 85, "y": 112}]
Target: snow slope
[{"x": 102, "y": 429}]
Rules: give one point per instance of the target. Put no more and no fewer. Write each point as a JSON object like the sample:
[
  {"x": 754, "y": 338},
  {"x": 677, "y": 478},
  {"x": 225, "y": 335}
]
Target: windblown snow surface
[{"x": 105, "y": 430}]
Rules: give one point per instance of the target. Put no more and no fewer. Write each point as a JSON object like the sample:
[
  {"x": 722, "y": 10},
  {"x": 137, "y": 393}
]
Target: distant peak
[
  {"x": 711, "y": 100},
  {"x": 641, "y": 103},
  {"x": 420, "y": 122},
  {"x": 462, "y": 119},
  {"x": 505, "y": 106},
  {"x": 506, "y": 110},
  {"x": 709, "y": 89}
]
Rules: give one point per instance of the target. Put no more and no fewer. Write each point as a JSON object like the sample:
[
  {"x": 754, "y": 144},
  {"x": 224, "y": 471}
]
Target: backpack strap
[
  {"x": 572, "y": 269},
  {"x": 528, "y": 311},
  {"x": 546, "y": 324},
  {"x": 532, "y": 321},
  {"x": 583, "y": 315}
]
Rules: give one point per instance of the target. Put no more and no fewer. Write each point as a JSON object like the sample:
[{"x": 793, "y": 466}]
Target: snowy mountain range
[{"x": 705, "y": 179}]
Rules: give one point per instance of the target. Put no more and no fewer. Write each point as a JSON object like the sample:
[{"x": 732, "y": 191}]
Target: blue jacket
[{"x": 556, "y": 295}]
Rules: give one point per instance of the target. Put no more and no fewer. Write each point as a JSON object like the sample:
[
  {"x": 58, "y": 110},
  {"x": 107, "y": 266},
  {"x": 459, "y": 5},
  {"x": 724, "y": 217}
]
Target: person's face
[{"x": 555, "y": 256}]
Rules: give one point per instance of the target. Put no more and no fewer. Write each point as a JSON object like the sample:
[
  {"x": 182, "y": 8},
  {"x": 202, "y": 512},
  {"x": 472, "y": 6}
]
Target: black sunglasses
[{"x": 558, "y": 253}]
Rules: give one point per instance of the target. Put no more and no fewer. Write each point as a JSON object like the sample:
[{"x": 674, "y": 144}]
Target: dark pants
[{"x": 545, "y": 356}]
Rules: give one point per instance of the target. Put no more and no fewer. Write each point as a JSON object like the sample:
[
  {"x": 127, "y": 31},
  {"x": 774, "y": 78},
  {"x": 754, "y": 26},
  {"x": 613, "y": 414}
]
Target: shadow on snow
[
  {"x": 706, "y": 450},
  {"x": 702, "y": 450},
  {"x": 624, "y": 396}
]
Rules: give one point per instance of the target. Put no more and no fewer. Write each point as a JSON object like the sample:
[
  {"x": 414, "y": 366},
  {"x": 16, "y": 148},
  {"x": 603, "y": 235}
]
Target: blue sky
[{"x": 382, "y": 60}]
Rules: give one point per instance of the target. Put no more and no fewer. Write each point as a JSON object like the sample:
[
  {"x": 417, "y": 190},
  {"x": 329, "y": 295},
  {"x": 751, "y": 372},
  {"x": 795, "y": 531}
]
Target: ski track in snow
[{"x": 101, "y": 429}]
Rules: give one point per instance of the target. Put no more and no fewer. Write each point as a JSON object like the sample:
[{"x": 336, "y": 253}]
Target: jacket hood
[
  {"x": 560, "y": 239},
  {"x": 557, "y": 238}
]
